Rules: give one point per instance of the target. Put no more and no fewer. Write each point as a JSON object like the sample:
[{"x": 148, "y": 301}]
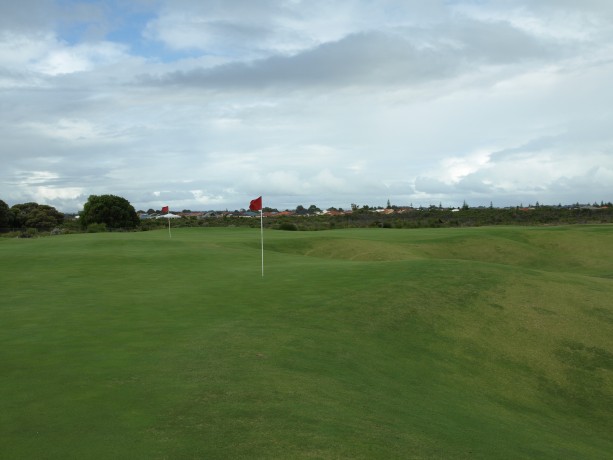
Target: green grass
[{"x": 380, "y": 343}]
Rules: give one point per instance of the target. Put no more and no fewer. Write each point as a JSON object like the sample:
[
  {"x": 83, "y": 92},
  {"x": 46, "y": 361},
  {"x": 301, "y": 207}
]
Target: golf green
[{"x": 365, "y": 343}]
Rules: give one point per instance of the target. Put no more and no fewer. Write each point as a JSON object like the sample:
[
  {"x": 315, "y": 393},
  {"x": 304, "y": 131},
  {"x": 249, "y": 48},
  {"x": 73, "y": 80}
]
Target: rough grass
[{"x": 381, "y": 343}]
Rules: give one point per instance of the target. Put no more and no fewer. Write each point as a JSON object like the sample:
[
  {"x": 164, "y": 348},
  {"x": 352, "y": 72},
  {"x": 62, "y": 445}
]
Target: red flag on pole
[
  {"x": 165, "y": 209},
  {"x": 256, "y": 205}
]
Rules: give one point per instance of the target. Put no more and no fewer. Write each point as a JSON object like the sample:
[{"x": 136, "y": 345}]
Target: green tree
[
  {"x": 4, "y": 215},
  {"x": 313, "y": 209},
  {"x": 34, "y": 215},
  {"x": 113, "y": 211}
]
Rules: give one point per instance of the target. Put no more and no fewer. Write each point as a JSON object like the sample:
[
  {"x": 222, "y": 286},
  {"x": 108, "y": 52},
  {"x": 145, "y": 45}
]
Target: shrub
[
  {"x": 288, "y": 226},
  {"x": 96, "y": 228},
  {"x": 12, "y": 234}
]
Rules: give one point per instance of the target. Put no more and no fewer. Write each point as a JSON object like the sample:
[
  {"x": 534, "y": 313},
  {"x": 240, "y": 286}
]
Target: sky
[{"x": 207, "y": 104}]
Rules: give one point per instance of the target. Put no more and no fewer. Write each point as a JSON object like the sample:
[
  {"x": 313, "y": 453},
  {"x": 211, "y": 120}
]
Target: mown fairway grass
[{"x": 382, "y": 343}]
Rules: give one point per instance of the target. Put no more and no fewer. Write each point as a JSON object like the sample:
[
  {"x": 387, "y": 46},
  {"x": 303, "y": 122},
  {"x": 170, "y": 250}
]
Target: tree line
[
  {"x": 110, "y": 212},
  {"x": 100, "y": 212},
  {"x": 415, "y": 218}
]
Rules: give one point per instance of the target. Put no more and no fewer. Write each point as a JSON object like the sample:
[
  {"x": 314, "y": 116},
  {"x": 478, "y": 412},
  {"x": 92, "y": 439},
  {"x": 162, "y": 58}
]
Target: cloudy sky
[{"x": 206, "y": 104}]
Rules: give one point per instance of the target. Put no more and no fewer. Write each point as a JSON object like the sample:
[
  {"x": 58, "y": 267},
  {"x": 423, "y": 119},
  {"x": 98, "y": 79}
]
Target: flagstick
[
  {"x": 169, "y": 235},
  {"x": 262, "y": 239}
]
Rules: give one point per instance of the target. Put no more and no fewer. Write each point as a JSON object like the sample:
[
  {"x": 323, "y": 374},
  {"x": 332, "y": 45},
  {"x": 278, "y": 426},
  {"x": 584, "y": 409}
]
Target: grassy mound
[{"x": 380, "y": 343}]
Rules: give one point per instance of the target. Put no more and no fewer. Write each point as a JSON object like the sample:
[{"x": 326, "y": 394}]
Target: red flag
[
  {"x": 165, "y": 209},
  {"x": 256, "y": 205}
]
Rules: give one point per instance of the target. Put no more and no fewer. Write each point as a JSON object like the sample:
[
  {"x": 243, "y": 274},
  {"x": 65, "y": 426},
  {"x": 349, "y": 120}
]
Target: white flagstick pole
[
  {"x": 169, "y": 234},
  {"x": 262, "y": 239}
]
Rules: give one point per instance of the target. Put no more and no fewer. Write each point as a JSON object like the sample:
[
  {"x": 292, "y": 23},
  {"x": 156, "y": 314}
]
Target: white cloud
[
  {"x": 68, "y": 130},
  {"x": 65, "y": 59},
  {"x": 46, "y": 194},
  {"x": 37, "y": 177},
  {"x": 454, "y": 169}
]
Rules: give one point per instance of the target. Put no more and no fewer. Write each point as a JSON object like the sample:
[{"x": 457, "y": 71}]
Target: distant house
[
  {"x": 403, "y": 209},
  {"x": 334, "y": 212}
]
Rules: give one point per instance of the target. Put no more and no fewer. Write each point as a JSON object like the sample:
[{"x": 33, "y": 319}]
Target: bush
[
  {"x": 288, "y": 226},
  {"x": 113, "y": 211},
  {"x": 96, "y": 228},
  {"x": 12, "y": 234}
]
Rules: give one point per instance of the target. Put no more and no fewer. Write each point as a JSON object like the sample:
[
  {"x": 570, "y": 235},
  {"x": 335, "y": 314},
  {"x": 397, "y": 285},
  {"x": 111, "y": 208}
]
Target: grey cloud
[
  {"x": 587, "y": 134},
  {"x": 499, "y": 43},
  {"x": 217, "y": 27},
  {"x": 36, "y": 16},
  {"x": 431, "y": 185},
  {"x": 598, "y": 7},
  {"x": 234, "y": 34},
  {"x": 27, "y": 15},
  {"x": 374, "y": 58},
  {"x": 532, "y": 146},
  {"x": 235, "y": 8},
  {"x": 474, "y": 184},
  {"x": 596, "y": 176}
]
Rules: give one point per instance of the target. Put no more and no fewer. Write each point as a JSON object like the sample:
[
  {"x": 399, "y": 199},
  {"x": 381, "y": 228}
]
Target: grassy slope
[{"x": 450, "y": 343}]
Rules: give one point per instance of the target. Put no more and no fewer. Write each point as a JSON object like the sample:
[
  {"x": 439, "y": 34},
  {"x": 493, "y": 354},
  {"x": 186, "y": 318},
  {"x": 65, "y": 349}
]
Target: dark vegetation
[
  {"x": 28, "y": 219},
  {"x": 415, "y": 218},
  {"x": 113, "y": 213}
]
